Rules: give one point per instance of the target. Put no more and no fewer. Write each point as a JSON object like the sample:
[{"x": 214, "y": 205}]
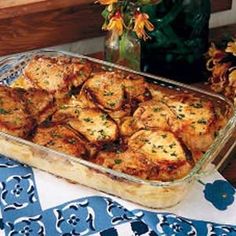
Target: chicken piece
[
  {"x": 106, "y": 90},
  {"x": 60, "y": 138},
  {"x": 158, "y": 92},
  {"x": 39, "y": 103},
  {"x": 117, "y": 116},
  {"x": 164, "y": 150},
  {"x": 195, "y": 123},
  {"x": 66, "y": 112},
  {"x": 128, "y": 126},
  {"x": 129, "y": 162},
  {"x": 83, "y": 100},
  {"x": 95, "y": 125},
  {"x": 154, "y": 114},
  {"x": 57, "y": 75},
  {"x": 136, "y": 88},
  {"x": 14, "y": 117}
]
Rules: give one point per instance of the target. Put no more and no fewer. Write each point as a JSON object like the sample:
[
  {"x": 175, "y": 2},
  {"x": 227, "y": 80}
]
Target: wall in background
[{"x": 224, "y": 17}]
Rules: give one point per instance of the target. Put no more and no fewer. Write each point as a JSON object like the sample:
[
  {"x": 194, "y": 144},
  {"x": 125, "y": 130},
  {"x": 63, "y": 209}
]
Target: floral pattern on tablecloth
[{"x": 21, "y": 213}]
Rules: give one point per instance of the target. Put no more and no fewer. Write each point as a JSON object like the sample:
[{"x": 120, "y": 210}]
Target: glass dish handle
[{"x": 211, "y": 167}]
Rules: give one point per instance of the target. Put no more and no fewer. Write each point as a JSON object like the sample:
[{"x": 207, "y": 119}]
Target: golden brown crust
[
  {"x": 164, "y": 150},
  {"x": 154, "y": 114},
  {"x": 106, "y": 90},
  {"x": 56, "y": 75},
  {"x": 39, "y": 103},
  {"x": 195, "y": 122},
  {"x": 14, "y": 117},
  {"x": 60, "y": 138},
  {"x": 96, "y": 126},
  {"x": 136, "y": 88}
]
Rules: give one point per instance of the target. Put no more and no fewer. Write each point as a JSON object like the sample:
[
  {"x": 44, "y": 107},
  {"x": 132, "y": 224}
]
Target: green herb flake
[
  {"x": 180, "y": 116},
  {"x": 81, "y": 73},
  {"x": 88, "y": 120},
  {"x": 104, "y": 116},
  {"x": 117, "y": 161},
  {"x": 3, "y": 111},
  {"x": 157, "y": 109},
  {"x": 202, "y": 121},
  {"x": 111, "y": 104},
  {"x": 72, "y": 140},
  {"x": 173, "y": 154},
  {"x": 172, "y": 145},
  {"x": 55, "y": 135},
  {"x": 108, "y": 93},
  {"x": 197, "y": 105},
  {"x": 63, "y": 107}
]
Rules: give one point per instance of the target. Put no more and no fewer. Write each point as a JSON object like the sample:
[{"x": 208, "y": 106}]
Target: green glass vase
[
  {"x": 180, "y": 39},
  {"x": 124, "y": 50}
]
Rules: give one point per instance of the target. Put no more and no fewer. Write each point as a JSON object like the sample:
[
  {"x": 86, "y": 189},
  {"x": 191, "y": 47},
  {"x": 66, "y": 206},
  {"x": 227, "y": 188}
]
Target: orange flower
[
  {"x": 216, "y": 55},
  {"x": 106, "y": 2},
  {"x": 142, "y": 22},
  {"x": 231, "y": 48},
  {"x": 116, "y": 24}
]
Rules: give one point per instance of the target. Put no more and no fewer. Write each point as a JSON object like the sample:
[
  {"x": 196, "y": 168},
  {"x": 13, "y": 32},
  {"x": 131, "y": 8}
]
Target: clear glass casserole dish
[{"x": 150, "y": 193}]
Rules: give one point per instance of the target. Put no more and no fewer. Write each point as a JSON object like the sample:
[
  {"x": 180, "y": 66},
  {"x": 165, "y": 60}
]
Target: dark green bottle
[{"x": 180, "y": 39}]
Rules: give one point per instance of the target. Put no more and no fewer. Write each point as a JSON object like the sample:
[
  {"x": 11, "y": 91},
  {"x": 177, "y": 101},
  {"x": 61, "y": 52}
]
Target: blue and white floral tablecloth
[{"x": 37, "y": 203}]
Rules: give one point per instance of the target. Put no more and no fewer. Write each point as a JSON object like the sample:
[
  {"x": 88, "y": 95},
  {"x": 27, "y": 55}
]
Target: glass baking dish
[{"x": 154, "y": 194}]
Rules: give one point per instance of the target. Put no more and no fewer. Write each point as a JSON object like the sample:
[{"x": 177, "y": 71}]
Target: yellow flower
[
  {"x": 106, "y": 2},
  {"x": 142, "y": 22},
  {"x": 116, "y": 24},
  {"x": 231, "y": 48}
]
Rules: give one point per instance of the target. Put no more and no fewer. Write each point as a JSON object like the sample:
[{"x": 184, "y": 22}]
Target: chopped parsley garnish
[
  {"x": 102, "y": 133},
  {"x": 55, "y": 135},
  {"x": 173, "y": 154},
  {"x": 88, "y": 120},
  {"x": 46, "y": 82},
  {"x": 72, "y": 140},
  {"x": 81, "y": 73},
  {"x": 3, "y": 111},
  {"x": 180, "y": 116},
  {"x": 63, "y": 107},
  {"x": 111, "y": 104},
  {"x": 172, "y": 145},
  {"x": 157, "y": 109},
  {"x": 108, "y": 93},
  {"x": 202, "y": 121},
  {"x": 197, "y": 105},
  {"x": 117, "y": 161},
  {"x": 104, "y": 116}
]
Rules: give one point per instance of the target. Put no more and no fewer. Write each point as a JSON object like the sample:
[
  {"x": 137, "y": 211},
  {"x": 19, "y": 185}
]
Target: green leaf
[{"x": 105, "y": 13}]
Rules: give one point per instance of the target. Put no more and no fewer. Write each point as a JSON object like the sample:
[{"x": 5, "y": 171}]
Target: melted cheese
[
  {"x": 106, "y": 89},
  {"x": 157, "y": 145},
  {"x": 95, "y": 125}
]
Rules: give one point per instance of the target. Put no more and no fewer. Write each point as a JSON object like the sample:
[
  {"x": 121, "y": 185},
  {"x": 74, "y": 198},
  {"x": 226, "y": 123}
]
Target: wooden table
[{"x": 32, "y": 24}]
